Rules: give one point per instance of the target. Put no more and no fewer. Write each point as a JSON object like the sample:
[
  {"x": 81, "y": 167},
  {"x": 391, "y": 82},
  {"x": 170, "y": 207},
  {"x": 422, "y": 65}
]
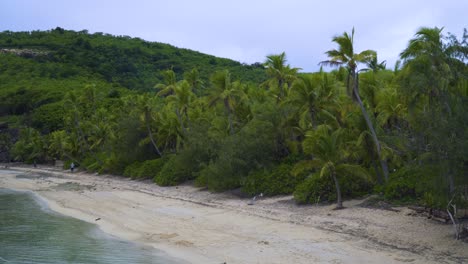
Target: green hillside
[{"x": 130, "y": 62}]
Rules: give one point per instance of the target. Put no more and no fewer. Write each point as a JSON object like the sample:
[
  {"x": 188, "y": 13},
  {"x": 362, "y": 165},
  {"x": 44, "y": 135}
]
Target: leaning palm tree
[{"x": 345, "y": 56}]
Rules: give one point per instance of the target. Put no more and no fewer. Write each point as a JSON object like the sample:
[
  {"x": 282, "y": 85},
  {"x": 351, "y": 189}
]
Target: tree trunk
[
  {"x": 311, "y": 113},
  {"x": 228, "y": 108},
  {"x": 383, "y": 162},
  {"x": 181, "y": 121},
  {"x": 339, "y": 201},
  {"x": 150, "y": 134},
  {"x": 377, "y": 171}
]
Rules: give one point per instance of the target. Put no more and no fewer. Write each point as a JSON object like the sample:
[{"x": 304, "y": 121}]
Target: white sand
[{"x": 202, "y": 227}]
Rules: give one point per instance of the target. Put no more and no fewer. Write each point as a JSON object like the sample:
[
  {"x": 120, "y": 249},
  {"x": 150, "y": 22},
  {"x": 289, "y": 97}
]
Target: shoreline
[{"x": 201, "y": 227}]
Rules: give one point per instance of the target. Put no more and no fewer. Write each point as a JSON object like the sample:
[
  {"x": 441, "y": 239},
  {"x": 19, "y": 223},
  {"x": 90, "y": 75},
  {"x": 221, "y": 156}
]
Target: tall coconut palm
[
  {"x": 281, "y": 74},
  {"x": 345, "y": 56}
]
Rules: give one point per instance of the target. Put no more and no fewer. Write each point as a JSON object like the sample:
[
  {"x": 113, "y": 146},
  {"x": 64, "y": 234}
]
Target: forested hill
[{"x": 131, "y": 62}]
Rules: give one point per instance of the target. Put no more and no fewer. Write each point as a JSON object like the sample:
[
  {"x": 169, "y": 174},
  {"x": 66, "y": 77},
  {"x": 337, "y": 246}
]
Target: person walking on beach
[{"x": 72, "y": 166}]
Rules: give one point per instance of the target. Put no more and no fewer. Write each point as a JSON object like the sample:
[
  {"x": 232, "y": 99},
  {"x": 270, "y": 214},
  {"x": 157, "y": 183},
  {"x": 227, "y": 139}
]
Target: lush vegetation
[{"x": 267, "y": 128}]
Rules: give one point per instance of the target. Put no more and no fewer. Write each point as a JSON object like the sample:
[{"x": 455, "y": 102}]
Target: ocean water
[{"x": 32, "y": 233}]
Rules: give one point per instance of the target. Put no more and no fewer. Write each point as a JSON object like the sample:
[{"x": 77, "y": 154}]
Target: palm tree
[
  {"x": 169, "y": 132},
  {"x": 433, "y": 64},
  {"x": 281, "y": 74},
  {"x": 311, "y": 94},
  {"x": 144, "y": 105},
  {"x": 181, "y": 99},
  {"x": 345, "y": 55},
  {"x": 226, "y": 92},
  {"x": 376, "y": 66},
  {"x": 196, "y": 83},
  {"x": 59, "y": 145},
  {"x": 331, "y": 156},
  {"x": 170, "y": 82}
]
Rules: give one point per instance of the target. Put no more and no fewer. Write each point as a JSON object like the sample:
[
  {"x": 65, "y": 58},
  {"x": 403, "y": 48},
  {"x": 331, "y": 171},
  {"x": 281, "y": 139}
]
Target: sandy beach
[{"x": 202, "y": 227}]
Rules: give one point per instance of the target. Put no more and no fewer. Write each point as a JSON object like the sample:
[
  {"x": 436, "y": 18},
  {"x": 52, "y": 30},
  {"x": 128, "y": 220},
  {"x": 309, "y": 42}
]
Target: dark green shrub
[
  {"x": 271, "y": 182},
  {"x": 315, "y": 189},
  {"x": 318, "y": 189},
  {"x": 174, "y": 171},
  {"x": 416, "y": 183},
  {"x": 113, "y": 164},
  {"x": 149, "y": 168},
  {"x": 132, "y": 170},
  {"x": 220, "y": 175},
  {"x": 239, "y": 154}
]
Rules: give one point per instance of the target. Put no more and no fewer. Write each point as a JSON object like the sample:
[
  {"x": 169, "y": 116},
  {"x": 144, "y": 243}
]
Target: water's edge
[{"x": 31, "y": 232}]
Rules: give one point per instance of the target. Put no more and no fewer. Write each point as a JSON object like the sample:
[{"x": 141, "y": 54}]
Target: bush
[
  {"x": 239, "y": 154},
  {"x": 113, "y": 164},
  {"x": 413, "y": 183},
  {"x": 175, "y": 171},
  {"x": 132, "y": 170},
  {"x": 147, "y": 169},
  {"x": 315, "y": 189},
  {"x": 220, "y": 175},
  {"x": 271, "y": 182},
  {"x": 318, "y": 189}
]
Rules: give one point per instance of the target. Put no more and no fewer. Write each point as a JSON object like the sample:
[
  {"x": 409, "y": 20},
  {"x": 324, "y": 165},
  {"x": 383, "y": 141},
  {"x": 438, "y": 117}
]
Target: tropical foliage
[{"x": 151, "y": 111}]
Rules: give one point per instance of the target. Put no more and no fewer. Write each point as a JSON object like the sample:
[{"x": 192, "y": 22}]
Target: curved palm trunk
[
  {"x": 383, "y": 162},
  {"x": 339, "y": 201},
  {"x": 150, "y": 134}
]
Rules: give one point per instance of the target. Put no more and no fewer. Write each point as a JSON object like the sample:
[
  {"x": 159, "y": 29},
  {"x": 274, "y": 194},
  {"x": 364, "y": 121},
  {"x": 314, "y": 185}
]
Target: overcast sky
[{"x": 246, "y": 30}]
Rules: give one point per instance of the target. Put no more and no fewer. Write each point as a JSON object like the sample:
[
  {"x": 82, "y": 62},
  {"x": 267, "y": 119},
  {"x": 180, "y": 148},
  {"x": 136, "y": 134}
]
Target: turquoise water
[{"x": 31, "y": 233}]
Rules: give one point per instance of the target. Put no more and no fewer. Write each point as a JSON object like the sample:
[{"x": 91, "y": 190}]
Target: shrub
[
  {"x": 132, "y": 170},
  {"x": 318, "y": 189},
  {"x": 113, "y": 164},
  {"x": 315, "y": 189},
  {"x": 174, "y": 171},
  {"x": 238, "y": 155},
  {"x": 149, "y": 168},
  {"x": 271, "y": 182},
  {"x": 220, "y": 175}
]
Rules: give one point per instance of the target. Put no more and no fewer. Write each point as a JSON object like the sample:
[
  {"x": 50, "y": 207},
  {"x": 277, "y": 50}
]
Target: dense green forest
[{"x": 147, "y": 110}]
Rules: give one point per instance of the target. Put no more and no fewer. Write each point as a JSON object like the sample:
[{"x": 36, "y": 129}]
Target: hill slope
[{"x": 131, "y": 62}]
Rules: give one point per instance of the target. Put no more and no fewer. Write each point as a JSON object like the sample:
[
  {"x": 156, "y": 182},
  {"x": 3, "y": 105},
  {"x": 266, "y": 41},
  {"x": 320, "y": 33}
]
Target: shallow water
[{"x": 32, "y": 233}]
